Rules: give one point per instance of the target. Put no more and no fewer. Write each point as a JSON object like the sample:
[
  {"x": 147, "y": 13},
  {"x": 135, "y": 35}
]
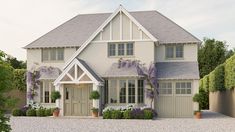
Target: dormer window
[
  {"x": 174, "y": 52},
  {"x": 120, "y": 49}
]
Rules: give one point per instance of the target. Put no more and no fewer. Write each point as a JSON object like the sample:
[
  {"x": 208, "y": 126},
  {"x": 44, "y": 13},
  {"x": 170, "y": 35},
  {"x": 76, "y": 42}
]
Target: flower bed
[{"x": 128, "y": 112}]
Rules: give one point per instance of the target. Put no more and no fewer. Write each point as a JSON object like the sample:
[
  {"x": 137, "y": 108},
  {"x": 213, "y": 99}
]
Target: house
[{"x": 87, "y": 48}]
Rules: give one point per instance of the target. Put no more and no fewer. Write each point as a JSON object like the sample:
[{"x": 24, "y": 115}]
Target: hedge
[
  {"x": 205, "y": 82},
  {"x": 200, "y": 84},
  {"x": 216, "y": 79},
  {"x": 20, "y": 79},
  {"x": 230, "y": 73}
]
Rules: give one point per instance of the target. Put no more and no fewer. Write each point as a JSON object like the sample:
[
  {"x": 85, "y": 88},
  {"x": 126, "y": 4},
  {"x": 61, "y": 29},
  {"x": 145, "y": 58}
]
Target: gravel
[{"x": 211, "y": 122}]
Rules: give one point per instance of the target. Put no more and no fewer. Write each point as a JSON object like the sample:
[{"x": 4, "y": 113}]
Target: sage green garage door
[
  {"x": 76, "y": 100},
  {"x": 174, "y": 99}
]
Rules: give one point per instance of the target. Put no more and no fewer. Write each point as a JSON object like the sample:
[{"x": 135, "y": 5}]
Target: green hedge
[
  {"x": 216, "y": 79},
  {"x": 20, "y": 79},
  {"x": 230, "y": 73},
  {"x": 200, "y": 84},
  {"x": 205, "y": 82}
]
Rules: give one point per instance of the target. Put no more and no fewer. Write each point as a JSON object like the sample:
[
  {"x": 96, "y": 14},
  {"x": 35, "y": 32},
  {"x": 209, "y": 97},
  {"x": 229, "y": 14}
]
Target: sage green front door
[{"x": 76, "y": 100}]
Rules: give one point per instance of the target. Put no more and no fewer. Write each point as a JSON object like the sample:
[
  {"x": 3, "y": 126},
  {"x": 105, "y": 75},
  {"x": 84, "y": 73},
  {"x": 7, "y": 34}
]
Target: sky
[{"x": 23, "y": 21}]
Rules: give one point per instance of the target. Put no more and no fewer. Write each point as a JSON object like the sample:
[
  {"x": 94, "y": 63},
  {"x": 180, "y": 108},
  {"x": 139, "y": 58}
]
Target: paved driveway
[{"x": 212, "y": 122}]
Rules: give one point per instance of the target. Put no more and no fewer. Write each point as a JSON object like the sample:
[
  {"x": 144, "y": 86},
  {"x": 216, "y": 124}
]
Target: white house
[{"x": 87, "y": 48}]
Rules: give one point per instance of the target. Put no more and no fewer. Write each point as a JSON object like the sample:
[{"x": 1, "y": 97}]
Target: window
[
  {"x": 129, "y": 50},
  {"x": 112, "y": 49},
  {"x": 113, "y": 91},
  {"x": 165, "y": 88},
  {"x": 46, "y": 87},
  {"x": 54, "y": 54},
  {"x": 106, "y": 91},
  {"x": 122, "y": 85},
  {"x": 174, "y": 52},
  {"x": 131, "y": 91},
  {"x": 120, "y": 49},
  {"x": 183, "y": 88},
  {"x": 140, "y": 91}
]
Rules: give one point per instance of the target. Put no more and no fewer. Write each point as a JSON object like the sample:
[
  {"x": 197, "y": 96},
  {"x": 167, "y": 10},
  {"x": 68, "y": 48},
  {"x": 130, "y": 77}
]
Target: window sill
[
  {"x": 174, "y": 58},
  {"x": 130, "y": 56}
]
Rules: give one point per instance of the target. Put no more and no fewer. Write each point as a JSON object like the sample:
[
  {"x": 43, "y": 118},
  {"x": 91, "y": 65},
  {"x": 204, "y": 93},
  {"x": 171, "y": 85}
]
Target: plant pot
[
  {"x": 198, "y": 115},
  {"x": 56, "y": 113},
  {"x": 95, "y": 113}
]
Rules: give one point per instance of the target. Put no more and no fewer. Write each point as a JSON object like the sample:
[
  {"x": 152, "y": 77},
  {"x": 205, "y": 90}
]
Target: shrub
[
  {"x": 206, "y": 83},
  {"x": 94, "y": 95},
  {"x": 127, "y": 114},
  {"x": 107, "y": 114},
  {"x": 201, "y": 84},
  {"x": 148, "y": 114},
  {"x": 48, "y": 112},
  {"x": 20, "y": 79},
  {"x": 31, "y": 112},
  {"x": 204, "y": 103},
  {"x": 230, "y": 72},
  {"x": 23, "y": 110},
  {"x": 16, "y": 112},
  {"x": 216, "y": 79},
  {"x": 40, "y": 112},
  {"x": 55, "y": 95},
  {"x": 116, "y": 114},
  {"x": 137, "y": 113}
]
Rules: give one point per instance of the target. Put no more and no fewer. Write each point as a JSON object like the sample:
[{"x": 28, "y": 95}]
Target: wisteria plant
[{"x": 149, "y": 75}]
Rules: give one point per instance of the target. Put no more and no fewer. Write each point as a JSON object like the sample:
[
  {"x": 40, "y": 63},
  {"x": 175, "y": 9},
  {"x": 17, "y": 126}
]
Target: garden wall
[{"x": 223, "y": 102}]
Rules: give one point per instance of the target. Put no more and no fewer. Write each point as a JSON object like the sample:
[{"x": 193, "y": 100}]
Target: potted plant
[
  {"x": 54, "y": 96},
  {"x": 94, "y": 95},
  {"x": 197, "y": 98}
]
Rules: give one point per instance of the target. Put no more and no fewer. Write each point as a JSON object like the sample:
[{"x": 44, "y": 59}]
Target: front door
[{"x": 77, "y": 101}]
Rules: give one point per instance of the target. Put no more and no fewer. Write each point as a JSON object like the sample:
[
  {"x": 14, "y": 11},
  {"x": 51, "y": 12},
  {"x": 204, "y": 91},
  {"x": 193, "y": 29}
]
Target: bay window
[{"x": 46, "y": 88}]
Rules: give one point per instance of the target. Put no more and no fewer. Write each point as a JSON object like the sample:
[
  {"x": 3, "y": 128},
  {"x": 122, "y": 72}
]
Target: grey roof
[
  {"x": 76, "y": 31},
  {"x": 116, "y": 71},
  {"x": 99, "y": 79},
  {"x": 177, "y": 70}
]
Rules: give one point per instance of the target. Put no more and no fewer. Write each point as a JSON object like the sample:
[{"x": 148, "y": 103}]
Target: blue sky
[{"x": 23, "y": 21}]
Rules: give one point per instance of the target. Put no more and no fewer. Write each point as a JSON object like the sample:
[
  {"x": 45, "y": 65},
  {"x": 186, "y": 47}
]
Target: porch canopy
[{"x": 78, "y": 72}]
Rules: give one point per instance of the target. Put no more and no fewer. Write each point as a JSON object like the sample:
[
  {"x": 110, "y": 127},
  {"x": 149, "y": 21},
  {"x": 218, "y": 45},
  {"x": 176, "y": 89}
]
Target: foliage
[
  {"x": 127, "y": 114},
  {"x": 216, "y": 79},
  {"x": 205, "y": 82},
  {"x": 137, "y": 113},
  {"x": 20, "y": 79},
  {"x": 16, "y": 64},
  {"x": 31, "y": 112},
  {"x": 107, "y": 114},
  {"x": 94, "y": 95},
  {"x": 55, "y": 95},
  {"x": 230, "y": 73},
  {"x": 95, "y": 109},
  {"x": 40, "y": 112},
  {"x": 204, "y": 103},
  {"x": 17, "y": 112},
  {"x": 211, "y": 53},
  {"x": 197, "y": 97},
  {"x": 4, "y": 126},
  {"x": 148, "y": 114},
  {"x": 116, "y": 114},
  {"x": 48, "y": 112}
]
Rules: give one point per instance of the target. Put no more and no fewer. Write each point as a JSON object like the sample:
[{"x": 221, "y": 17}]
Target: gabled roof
[
  {"x": 76, "y": 31},
  {"x": 177, "y": 70}
]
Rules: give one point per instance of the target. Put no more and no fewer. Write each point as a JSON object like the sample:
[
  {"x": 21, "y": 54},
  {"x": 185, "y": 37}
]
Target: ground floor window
[
  {"x": 166, "y": 88},
  {"x": 46, "y": 87},
  {"x": 124, "y": 91}
]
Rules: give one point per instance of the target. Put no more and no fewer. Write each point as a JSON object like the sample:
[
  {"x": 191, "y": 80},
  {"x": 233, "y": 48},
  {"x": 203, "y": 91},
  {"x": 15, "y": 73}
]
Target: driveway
[{"x": 211, "y": 122}]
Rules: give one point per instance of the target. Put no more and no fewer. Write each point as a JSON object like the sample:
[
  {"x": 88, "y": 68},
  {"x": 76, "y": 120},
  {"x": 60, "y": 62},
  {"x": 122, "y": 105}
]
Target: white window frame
[
  {"x": 127, "y": 88},
  {"x": 116, "y": 54},
  {"x": 49, "y": 52},
  {"x": 43, "y": 87},
  {"x": 186, "y": 88},
  {"x": 166, "y": 88},
  {"x": 174, "y": 52}
]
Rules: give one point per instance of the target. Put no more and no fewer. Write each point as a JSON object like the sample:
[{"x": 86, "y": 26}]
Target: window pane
[
  {"x": 183, "y": 85},
  {"x": 122, "y": 94},
  {"x": 106, "y": 91},
  {"x": 46, "y": 92},
  {"x": 169, "y": 52},
  {"x": 52, "y": 54},
  {"x": 140, "y": 91},
  {"x": 41, "y": 92},
  {"x": 52, "y": 89},
  {"x": 60, "y": 54},
  {"x": 45, "y": 54},
  {"x": 113, "y": 91},
  {"x": 121, "y": 49},
  {"x": 112, "y": 49},
  {"x": 177, "y": 85},
  {"x": 129, "y": 49},
  {"x": 188, "y": 91},
  {"x": 177, "y": 91},
  {"x": 131, "y": 91},
  {"x": 188, "y": 85},
  {"x": 179, "y": 51}
]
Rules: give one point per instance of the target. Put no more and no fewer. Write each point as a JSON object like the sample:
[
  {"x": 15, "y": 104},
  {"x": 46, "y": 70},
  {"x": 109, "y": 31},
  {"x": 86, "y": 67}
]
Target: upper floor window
[
  {"x": 53, "y": 54},
  {"x": 174, "y": 52},
  {"x": 120, "y": 49}
]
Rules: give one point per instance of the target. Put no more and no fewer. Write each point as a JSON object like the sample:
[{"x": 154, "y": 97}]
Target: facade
[{"x": 87, "y": 48}]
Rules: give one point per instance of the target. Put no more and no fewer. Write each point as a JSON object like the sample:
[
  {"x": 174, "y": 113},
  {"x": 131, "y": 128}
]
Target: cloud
[{"x": 23, "y": 21}]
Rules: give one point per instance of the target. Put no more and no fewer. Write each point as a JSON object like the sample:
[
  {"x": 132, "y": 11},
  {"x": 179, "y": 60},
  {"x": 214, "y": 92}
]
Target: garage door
[
  {"x": 174, "y": 99},
  {"x": 76, "y": 100}
]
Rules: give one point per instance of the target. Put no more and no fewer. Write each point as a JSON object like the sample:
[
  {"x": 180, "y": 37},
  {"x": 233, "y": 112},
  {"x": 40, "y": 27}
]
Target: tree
[
  {"x": 212, "y": 53},
  {"x": 6, "y": 78},
  {"x": 16, "y": 64}
]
